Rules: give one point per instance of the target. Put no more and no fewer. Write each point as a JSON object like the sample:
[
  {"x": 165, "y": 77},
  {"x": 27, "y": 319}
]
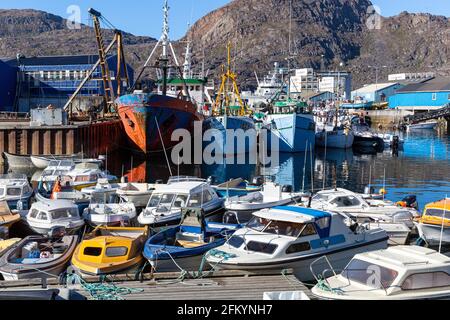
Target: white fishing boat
[
  {"x": 271, "y": 195},
  {"x": 109, "y": 209},
  {"x": 396, "y": 220},
  {"x": 293, "y": 237},
  {"x": 431, "y": 125},
  {"x": 45, "y": 216},
  {"x": 397, "y": 273},
  {"x": 16, "y": 191},
  {"x": 167, "y": 200},
  {"x": 16, "y": 161}
]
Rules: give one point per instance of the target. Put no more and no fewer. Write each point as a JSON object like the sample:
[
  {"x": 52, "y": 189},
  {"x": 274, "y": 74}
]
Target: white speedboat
[
  {"x": 87, "y": 175},
  {"x": 431, "y": 125},
  {"x": 108, "y": 209},
  {"x": 384, "y": 213},
  {"x": 16, "y": 191},
  {"x": 136, "y": 193},
  {"x": 56, "y": 169},
  {"x": 167, "y": 200},
  {"x": 397, "y": 273},
  {"x": 293, "y": 237},
  {"x": 45, "y": 216},
  {"x": 271, "y": 195}
]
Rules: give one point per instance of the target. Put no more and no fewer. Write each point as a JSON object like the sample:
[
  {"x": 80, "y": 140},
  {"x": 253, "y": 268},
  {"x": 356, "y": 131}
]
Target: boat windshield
[
  {"x": 2, "y": 192},
  {"x": 282, "y": 228},
  {"x": 105, "y": 198},
  {"x": 168, "y": 201},
  {"x": 64, "y": 213},
  {"x": 13, "y": 191},
  {"x": 438, "y": 213},
  {"x": 369, "y": 274},
  {"x": 321, "y": 197}
]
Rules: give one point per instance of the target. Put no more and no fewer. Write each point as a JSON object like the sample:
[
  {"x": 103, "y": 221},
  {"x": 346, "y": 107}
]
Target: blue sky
[{"x": 144, "y": 17}]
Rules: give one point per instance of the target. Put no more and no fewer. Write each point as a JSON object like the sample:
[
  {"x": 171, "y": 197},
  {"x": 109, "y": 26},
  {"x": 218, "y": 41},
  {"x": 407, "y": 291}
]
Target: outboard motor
[
  {"x": 395, "y": 143},
  {"x": 57, "y": 232},
  {"x": 124, "y": 179},
  {"x": 287, "y": 189},
  {"x": 211, "y": 180},
  {"x": 231, "y": 217},
  {"x": 159, "y": 181},
  {"x": 258, "y": 181},
  {"x": 410, "y": 202}
]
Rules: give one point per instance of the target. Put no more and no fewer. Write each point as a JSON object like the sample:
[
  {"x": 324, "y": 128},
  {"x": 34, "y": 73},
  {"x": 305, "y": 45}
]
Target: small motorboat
[
  {"x": 396, "y": 220},
  {"x": 183, "y": 247},
  {"x": 7, "y": 218},
  {"x": 45, "y": 216},
  {"x": 107, "y": 208},
  {"x": 136, "y": 193},
  {"x": 396, "y": 273},
  {"x": 16, "y": 191},
  {"x": 42, "y": 162},
  {"x": 87, "y": 174},
  {"x": 434, "y": 225},
  {"x": 292, "y": 238},
  {"x": 167, "y": 200},
  {"x": 238, "y": 187},
  {"x": 431, "y": 125},
  {"x": 272, "y": 195},
  {"x": 365, "y": 139},
  {"x": 16, "y": 161},
  {"x": 37, "y": 257},
  {"x": 108, "y": 250},
  {"x": 55, "y": 170}
]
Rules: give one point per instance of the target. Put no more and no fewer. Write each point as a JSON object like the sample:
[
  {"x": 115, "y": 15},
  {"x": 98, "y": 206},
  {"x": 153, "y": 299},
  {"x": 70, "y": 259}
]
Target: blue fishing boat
[
  {"x": 220, "y": 129},
  {"x": 295, "y": 132},
  {"x": 183, "y": 246}
]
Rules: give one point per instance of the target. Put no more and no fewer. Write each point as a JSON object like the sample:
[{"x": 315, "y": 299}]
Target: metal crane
[{"x": 109, "y": 95}]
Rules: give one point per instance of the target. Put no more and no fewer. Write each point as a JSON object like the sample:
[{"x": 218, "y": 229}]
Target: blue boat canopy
[{"x": 317, "y": 214}]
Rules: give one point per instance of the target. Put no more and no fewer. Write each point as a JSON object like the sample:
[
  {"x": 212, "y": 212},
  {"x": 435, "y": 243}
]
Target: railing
[
  {"x": 6, "y": 116},
  {"x": 435, "y": 114}
]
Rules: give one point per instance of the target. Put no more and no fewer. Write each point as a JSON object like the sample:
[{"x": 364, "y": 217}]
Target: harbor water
[{"x": 421, "y": 169}]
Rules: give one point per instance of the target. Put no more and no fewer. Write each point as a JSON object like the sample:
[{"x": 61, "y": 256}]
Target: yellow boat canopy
[{"x": 434, "y": 212}]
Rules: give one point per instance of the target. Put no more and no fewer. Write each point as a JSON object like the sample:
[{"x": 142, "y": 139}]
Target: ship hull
[
  {"x": 293, "y": 132},
  {"x": 149, "y": 120}
]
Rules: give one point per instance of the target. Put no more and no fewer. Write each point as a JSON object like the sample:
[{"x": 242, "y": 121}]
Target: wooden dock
[{"x": 222, "y": 285}]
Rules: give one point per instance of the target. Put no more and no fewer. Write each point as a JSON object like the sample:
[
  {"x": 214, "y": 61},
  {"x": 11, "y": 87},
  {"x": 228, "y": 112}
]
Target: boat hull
[
  {"x": 432, "y": 233},
  {"x": 293, "y": 132},
  {"x": 335, "y": 139},
  {"x": 191, "y": 263},
  {"x": 149, "y": 117},
  {"x": 339, "y": 258},
  {"x": 17, "y": 161},
  {"x": 219, "y": 142}
]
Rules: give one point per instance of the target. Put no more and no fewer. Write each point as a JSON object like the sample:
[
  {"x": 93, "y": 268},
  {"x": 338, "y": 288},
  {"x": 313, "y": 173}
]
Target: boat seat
[{"x": 190, "y": 244}]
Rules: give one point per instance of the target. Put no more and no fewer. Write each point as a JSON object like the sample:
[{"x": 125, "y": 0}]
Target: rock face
[
  {"x": 37, "y": 33},
  {"x": 259, "y": 31}
]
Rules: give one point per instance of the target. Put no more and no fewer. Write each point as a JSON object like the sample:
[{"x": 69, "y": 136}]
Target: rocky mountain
[
  {"x": 339, "y": 30},
  {"x": 38, "y": 33},
  {"x": 346, "y": 31}
]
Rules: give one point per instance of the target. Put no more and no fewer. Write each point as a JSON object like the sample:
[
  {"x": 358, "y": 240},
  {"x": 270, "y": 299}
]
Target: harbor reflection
[{"x": 421, "y": 168}]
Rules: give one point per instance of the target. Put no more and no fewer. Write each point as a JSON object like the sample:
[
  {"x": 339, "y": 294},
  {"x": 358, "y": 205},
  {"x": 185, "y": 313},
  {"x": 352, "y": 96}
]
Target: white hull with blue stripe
[{"x": 294, "y": 237}]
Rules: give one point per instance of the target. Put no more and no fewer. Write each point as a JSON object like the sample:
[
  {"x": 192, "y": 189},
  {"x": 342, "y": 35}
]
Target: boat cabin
[
  {"x": 401, "y": 272},
  {"x": 15, "y": 188},
  {"x": 57, "y": 168},
  {"x": 437, "y": 213}
]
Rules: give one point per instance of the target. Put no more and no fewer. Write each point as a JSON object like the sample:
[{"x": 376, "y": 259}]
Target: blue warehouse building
[
  {"x": 8, "y": 83},
  {"x": 427, "y": 95},
  {"x": 43, "y": 81}
]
